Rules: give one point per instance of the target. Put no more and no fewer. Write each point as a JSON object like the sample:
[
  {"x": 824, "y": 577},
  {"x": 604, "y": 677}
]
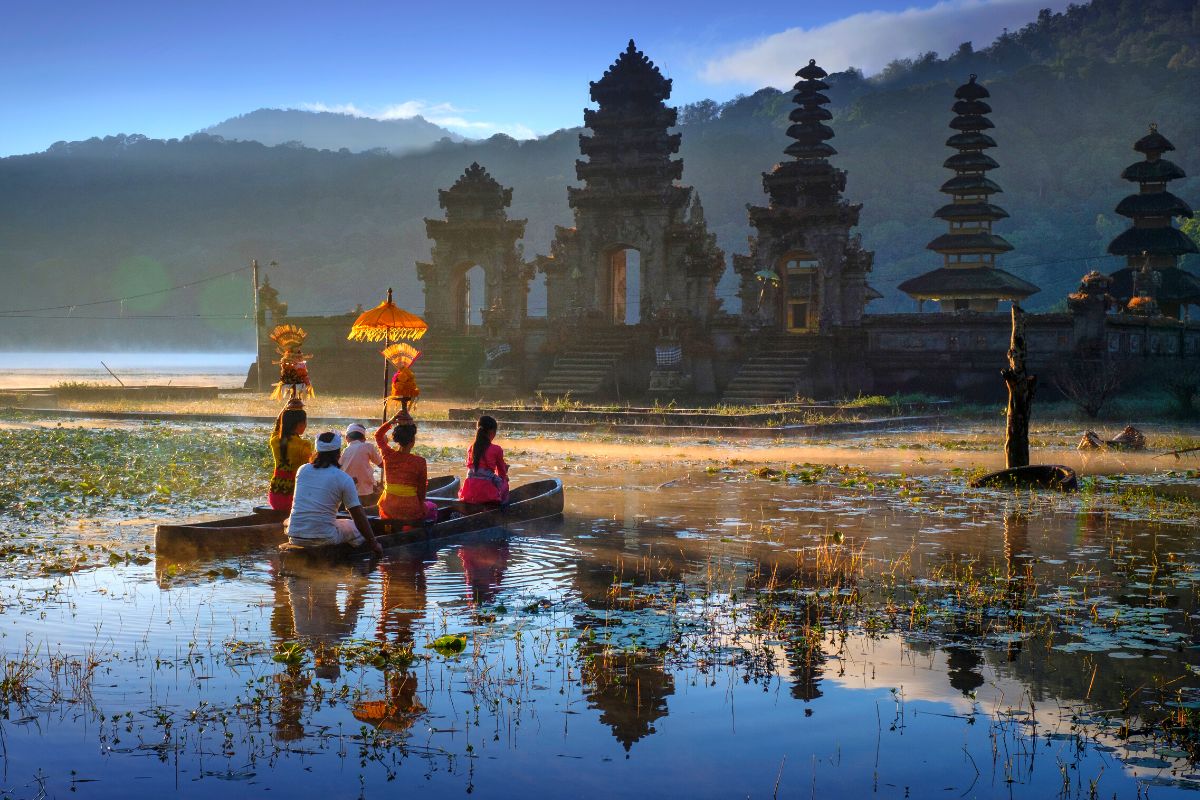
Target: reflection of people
[
  {"x": 321, "y": 487},
  {"x": 289, "y": 450},
  {"x": 487, "y": 474},
  {"x": 306, "y": 606},
  {"x": 405, "y": 476},
  {"x": 403, "y": 607},
  {"x": 359, "y": 460},
  {"x": 483, "y": 566},
  {"x": 317, "y": 616}
]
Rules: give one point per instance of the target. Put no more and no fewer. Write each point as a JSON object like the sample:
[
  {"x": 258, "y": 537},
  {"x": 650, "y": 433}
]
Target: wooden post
[
  {"x": 1021, "y": 386},
  {"x": 257, "y": 331}
]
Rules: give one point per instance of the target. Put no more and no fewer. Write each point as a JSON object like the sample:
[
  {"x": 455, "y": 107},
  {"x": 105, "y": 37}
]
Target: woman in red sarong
[
  {"x": 487, "y": 474},
  {"x": 405, "y": 476},
  {"x": 290, "y": 451}
]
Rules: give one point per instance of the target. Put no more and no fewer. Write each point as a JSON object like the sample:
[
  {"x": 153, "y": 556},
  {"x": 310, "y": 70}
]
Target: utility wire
[{"x": 69, "y": 306}]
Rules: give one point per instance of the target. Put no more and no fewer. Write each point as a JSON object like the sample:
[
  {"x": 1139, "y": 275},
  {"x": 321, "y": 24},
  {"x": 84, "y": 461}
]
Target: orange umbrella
[
  {"x": 387, "y": 322},
  {"x": 383, "y": 323}
]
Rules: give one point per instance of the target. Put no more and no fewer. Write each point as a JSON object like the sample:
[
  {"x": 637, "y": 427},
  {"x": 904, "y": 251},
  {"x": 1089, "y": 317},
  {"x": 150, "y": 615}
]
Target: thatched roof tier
[
  {"x": 974, "y": 282},
  {"x": 968, "y": 212},
  {"x": 1153, "y": 204},
  {"x": 1173, "y": 285},
  {"x": 1165, "y": 241},
  {"x": 969, "y": 244}
]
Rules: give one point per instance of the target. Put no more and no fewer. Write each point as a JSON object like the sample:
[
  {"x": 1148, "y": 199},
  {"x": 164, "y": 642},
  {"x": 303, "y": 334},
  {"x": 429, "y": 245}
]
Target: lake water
[
  {"x": 681, "y": 631},
  {"x": 39, "y": 370}
]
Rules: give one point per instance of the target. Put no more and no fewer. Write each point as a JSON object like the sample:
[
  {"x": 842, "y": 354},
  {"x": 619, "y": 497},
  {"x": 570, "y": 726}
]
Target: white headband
[{"x": 331, "y": 446}]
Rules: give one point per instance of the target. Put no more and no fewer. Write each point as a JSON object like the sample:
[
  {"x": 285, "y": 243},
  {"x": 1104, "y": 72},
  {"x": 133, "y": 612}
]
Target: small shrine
[
  {"x": 969, "y": 279},
  {"x": 806, "y": 272},
  {"x": 1152, "y": 282}
]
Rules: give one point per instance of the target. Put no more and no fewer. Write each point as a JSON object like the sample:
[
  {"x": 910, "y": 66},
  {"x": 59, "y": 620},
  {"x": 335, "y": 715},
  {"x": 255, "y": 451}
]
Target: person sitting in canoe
[
  {"x": 290, "y": 450},
  {"x": 359, "y": 460},
  {"x": 321, "y": 487},
  {"x": 405, "y": 476},
  {"x": 487, "y": 474}
]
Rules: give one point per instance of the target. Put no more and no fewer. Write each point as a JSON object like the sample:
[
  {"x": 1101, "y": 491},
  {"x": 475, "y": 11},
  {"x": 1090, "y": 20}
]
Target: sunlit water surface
[
  {"x": 660, "y": 640},
  {"x": 40, "y": 370}
]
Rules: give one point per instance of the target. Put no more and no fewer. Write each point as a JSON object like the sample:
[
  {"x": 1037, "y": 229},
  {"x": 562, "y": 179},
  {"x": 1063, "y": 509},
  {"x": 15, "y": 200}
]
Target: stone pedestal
[
  {"x": 669, "y": 382},
  {"x": 501, "y": 380}
]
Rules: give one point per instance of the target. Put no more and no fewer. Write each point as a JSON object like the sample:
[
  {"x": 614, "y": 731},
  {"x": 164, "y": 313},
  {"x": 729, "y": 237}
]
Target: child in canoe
[
  {"x": 487, "y": 474},
  {"x": 359, "y": 460},
  {"x": 405, "y": 476},
  {"x": 290, "y": 450}
]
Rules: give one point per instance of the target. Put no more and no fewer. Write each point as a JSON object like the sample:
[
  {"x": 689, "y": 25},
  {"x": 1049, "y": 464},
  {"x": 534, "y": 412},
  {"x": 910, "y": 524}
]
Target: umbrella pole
[{"x": 387, "y": 335}]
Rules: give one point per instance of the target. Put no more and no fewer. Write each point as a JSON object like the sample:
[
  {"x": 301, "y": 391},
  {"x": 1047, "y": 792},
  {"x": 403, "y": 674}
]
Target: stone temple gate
[{"x": 475, "y": 233}]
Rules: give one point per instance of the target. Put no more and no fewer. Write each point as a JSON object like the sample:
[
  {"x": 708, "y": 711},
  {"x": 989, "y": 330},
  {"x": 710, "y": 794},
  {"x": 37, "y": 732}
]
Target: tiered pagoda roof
[
  {"x": 629, "y": 151},
  {"x": 969, "y": 248},
  {"x": 1153, "y": 243},
  {"x": 807, "y": 186},
  {"x": 806, "y": 219}
]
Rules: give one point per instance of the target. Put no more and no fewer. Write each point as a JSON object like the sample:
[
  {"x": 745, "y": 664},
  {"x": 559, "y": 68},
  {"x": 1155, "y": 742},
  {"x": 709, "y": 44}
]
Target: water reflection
[{"x": 694, "y": 630}]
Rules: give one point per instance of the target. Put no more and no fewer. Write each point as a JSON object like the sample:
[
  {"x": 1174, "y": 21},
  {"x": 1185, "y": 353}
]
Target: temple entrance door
[
  {"x": 625, "y": 287},
  {"x": 800, "y": 313},
  {"x": 469, "y": 298}
]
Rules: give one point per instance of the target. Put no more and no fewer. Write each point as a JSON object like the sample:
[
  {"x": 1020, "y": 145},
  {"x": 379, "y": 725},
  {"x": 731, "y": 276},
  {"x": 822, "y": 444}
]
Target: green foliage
[
  {"x": 55, "y": 473},
  {"x": 449, "y": 645}
]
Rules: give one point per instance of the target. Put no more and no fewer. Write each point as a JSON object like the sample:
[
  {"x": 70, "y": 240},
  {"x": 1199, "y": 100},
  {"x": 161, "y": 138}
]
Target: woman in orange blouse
[{"x": 405, "y": 476}]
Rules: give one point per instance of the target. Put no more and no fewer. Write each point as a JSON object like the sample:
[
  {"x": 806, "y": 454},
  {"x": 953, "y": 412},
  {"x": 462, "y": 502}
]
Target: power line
[{"x": 70, "y": 306}]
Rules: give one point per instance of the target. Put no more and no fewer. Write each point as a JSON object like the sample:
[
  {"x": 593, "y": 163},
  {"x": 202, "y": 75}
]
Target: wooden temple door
[
  {"x": 618, "y": 287},
  {"x": 800, "y": 294}
]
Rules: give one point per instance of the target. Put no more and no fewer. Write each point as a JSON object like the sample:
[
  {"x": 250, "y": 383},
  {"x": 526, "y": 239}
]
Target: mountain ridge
[{"x": 331, "y": 130}]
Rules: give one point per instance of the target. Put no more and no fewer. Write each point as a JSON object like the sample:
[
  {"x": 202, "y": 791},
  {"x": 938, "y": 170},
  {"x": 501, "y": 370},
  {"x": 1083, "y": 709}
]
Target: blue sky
[{"x": 165, "y": 69}]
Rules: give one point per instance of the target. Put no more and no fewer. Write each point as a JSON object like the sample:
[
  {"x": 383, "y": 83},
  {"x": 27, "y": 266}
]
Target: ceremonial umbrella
[
  {"x": 384, "y": 323},
  {"x": 767, "y": 277}
]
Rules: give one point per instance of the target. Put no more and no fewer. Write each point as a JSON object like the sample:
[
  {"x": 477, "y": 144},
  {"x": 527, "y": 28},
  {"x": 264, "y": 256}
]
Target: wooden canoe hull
[
  {"x": 1036, "y": 476},
  {"x": 444, "y": 487},
  {"x": 263, "y": 528},
  {"x": 532, "y": 501}
]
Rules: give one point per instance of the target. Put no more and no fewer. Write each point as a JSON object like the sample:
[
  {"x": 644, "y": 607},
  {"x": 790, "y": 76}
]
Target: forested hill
[{"x": 123, "y": 215}]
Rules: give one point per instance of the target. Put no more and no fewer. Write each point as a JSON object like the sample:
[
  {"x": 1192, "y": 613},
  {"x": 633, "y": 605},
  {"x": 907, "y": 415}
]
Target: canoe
[
  {"x": 1036, "y": 476},
  {"x": 262, "y": 528},
  {"x": 532, "y": 501},
  {"x": 236, "y": 533}
]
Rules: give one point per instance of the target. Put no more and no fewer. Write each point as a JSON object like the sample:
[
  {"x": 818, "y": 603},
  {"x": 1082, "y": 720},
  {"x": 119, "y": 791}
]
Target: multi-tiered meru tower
[
  {"x": 639, "y": 248},
  {"x": 968, "y": 279},
  {"x": 1153, "y": 245},
  {"x": 806, "y": 273}
]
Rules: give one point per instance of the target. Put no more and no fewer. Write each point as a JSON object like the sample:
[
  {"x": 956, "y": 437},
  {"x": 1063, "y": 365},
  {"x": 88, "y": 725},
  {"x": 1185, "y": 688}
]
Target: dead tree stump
[{"x": 1021, "y": 386}]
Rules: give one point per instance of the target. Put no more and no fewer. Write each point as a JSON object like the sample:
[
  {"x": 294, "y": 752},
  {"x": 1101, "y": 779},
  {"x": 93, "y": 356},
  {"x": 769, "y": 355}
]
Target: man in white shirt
[
  {"x": 359, "y": 460},
  {"x": 321, "y": 487}
]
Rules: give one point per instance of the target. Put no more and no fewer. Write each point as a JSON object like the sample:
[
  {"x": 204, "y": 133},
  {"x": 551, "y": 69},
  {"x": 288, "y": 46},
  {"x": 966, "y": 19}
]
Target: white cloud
[
  {"x": 871, "y": 39},
  {"x": 445, "y": 114}
]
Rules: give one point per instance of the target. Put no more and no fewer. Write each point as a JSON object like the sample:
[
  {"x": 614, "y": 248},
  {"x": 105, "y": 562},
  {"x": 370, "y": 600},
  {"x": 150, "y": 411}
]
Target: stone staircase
[
  {"x": 776, "y": 372},
  {"x": 588, "y": 367},
  {"x": 449, "y": 365}
]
